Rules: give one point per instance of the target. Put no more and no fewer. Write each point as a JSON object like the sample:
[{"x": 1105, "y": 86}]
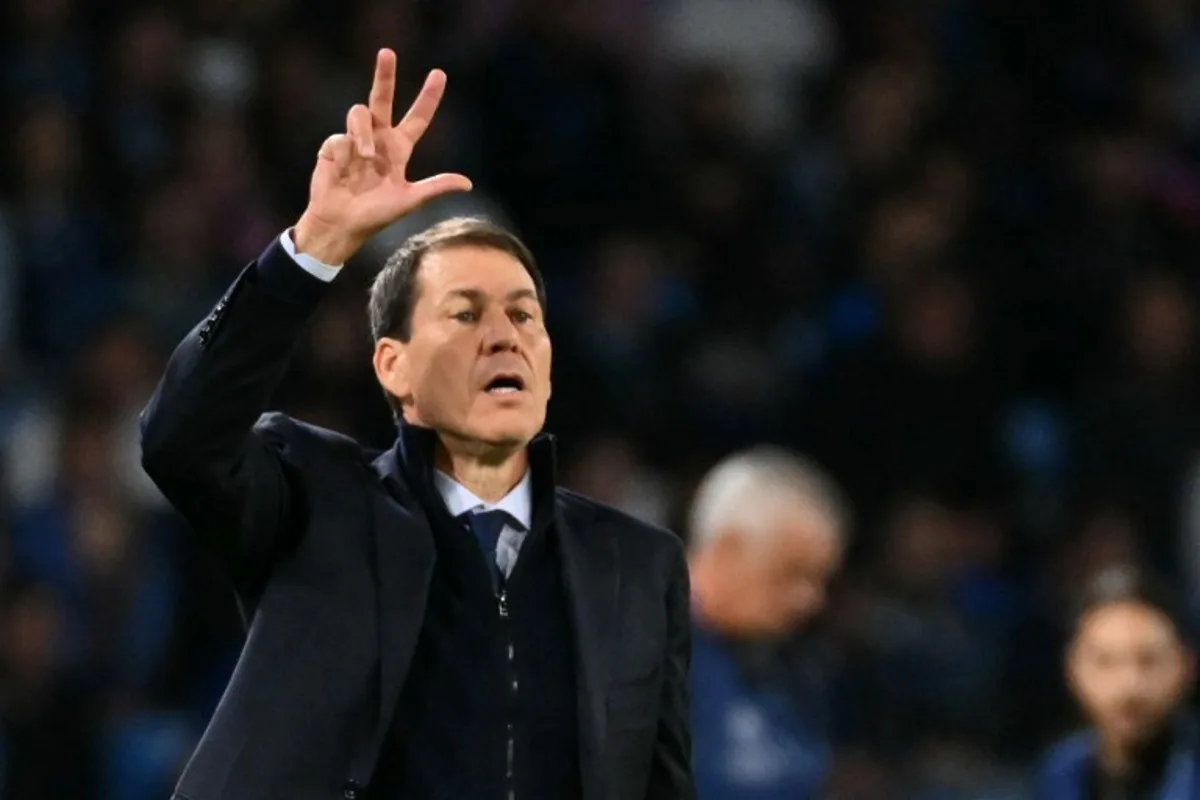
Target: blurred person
[
  {"x": 300, "y": 100},
  {"x": 877, "y": 115},
  {"x": 46, "y": 710},
  {"x": 926, "y": 630},
  {"x": 49, "y": 54},
  {"x": 609, "y": 469},
  {"x": 627, "y": 321},
  {"x": 225, "y": 175},
  {"x": 915, "y": 405},
  {"x": 439, "y": 620},
  {"x": 88, "y": 542},
  {"x": 768, "y": 46},
  {"x": 1130, "y": 666},
  {"x": 116, "y": 368},
  {"x": 175, "y": 265},
  {"x": 143, "y": 95},
  {"x": 61, "y": 232},
  {"x": 563, "y": 139},
  {"x": 1138, "y": 432},
  {"x": 766, "y": 536},
  {"x": 1099, "y": 537}
]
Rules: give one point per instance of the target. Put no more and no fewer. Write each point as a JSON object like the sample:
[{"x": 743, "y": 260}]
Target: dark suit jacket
[{"x": 331, "y": 559}]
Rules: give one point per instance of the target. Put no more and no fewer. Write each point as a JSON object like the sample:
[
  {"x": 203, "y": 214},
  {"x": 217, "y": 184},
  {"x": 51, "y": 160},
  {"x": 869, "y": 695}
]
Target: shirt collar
[{"x": 518, "y": 503}]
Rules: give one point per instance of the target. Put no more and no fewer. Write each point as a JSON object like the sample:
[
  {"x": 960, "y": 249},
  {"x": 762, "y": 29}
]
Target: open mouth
[{"x": 505, "y": 384}]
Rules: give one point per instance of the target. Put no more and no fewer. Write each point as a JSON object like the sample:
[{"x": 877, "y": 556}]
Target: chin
[{"x": 507, "y": 429}]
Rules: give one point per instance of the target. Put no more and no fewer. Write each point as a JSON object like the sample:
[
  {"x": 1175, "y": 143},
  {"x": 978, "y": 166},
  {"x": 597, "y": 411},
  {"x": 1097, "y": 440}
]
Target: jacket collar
[{"x": 410, "y": 463}]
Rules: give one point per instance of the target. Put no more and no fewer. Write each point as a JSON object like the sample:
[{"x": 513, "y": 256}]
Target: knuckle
[{"x": 334, "y": 145}]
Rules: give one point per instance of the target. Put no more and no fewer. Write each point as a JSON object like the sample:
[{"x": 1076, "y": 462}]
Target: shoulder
[
  {"x": 1065, "y": 760},
  {"x": 303, "y": 443},
  {"x": 637, "y": 538}
]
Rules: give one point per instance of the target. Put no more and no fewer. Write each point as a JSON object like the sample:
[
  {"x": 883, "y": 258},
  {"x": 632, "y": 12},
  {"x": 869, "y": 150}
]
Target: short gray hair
[{"x": 748, "y": 491}]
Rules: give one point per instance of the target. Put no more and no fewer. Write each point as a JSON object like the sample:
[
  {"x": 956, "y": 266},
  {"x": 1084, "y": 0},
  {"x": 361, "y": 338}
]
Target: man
[
  {"x": 767, "y": 534},
  {"x": 440, "y": 621},
  {"x": 1130, "y": 669}
]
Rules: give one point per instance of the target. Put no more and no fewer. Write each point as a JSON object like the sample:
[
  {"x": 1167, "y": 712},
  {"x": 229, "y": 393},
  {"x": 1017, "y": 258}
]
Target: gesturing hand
[{"x": 359, "y": 185}]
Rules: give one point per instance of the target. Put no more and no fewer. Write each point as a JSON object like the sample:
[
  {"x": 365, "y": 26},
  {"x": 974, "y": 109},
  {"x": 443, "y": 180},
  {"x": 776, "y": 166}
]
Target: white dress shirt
[
  {"x": 518, "y": 504},
  {"x": 326, "y": 272}
]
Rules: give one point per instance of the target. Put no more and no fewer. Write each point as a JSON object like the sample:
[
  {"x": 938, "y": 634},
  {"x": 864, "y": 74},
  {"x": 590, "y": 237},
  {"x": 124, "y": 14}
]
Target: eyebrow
[{"x": 477, "y": 296}]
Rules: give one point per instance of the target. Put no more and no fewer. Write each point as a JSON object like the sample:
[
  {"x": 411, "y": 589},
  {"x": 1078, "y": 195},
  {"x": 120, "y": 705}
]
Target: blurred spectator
[
  {"x": 768, "y": 46},
  {"x": 144, "y": 95},
  {"x": 50, "y": 58},
  {"x": 47, "y": 712},
  {"x": 1130, "y": 666},
  {"x": 61, "y": 232},
  {"x": 766, "y": 536},
  {"x": 1139, "y": 433},
  {"x": 608, "y": 470},
  {"x": 929, "y": 631}
]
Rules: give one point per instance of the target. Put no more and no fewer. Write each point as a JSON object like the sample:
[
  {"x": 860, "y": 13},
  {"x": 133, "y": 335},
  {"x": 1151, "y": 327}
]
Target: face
[
  {"x": 477, "y": 366},
  {"x": 772, "y": 585},
  {"x": 1128, "y": 669}
]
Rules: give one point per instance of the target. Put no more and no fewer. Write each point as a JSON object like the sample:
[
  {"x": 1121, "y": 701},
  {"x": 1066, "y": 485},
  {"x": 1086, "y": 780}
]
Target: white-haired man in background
[{"x": 767, "y": 532}]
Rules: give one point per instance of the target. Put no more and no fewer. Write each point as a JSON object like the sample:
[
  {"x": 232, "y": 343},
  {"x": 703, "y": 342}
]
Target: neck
[
  {"x": 1124, "y": 759},
  {"x": 1115, "y": 759},
  {"x": 488, "y": 475}
]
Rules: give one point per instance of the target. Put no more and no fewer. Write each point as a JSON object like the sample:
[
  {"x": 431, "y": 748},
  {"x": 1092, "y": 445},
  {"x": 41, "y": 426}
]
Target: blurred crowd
[{"x": 945, "y": 247}]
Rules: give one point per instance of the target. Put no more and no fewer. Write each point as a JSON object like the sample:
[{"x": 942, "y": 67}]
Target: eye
[
  {"x": 465, "y": 316},
  {"x": 521, "y": 317}
]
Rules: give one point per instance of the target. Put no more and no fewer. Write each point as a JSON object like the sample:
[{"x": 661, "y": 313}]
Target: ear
[{"x": 392, "y": 368}]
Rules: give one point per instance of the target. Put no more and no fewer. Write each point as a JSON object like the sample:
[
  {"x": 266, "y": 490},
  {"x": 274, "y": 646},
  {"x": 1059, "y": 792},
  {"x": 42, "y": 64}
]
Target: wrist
[{"x": 323, "y": 243}]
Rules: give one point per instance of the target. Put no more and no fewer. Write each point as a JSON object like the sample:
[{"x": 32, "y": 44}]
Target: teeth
[{"x": 504, "y": 390}]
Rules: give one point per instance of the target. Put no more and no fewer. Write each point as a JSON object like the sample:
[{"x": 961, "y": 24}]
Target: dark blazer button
[{"x": 351, "y": 791}]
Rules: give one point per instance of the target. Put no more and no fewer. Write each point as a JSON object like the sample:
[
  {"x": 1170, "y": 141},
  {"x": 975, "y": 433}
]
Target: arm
[
  {"x": 200, "y": 443},
  {"x": 671, "y": 773},
  {"x": 229, "y": 476}
]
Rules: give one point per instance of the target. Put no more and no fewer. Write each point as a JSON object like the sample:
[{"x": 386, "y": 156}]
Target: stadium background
[{"x": 946, "y": 247}]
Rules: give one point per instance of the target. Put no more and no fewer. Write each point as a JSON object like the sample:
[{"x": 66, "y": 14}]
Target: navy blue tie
[{"x": 487, "y": 526}]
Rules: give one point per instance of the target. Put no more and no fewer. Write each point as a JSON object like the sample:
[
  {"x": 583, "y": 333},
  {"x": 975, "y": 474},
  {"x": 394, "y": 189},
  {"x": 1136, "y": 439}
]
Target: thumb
[{"x": 438, "y": 185}]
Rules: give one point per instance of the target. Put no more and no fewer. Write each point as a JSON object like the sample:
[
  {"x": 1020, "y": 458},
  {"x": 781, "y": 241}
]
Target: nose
[{"x": 499, "y": 332}]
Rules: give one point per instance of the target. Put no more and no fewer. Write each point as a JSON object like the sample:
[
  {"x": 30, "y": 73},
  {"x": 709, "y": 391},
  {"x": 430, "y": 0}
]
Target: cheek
[
  {"x": 445, "y": 375},
  {"x": 1172, "y": 684},
  {"x": 542, "y": 361}
]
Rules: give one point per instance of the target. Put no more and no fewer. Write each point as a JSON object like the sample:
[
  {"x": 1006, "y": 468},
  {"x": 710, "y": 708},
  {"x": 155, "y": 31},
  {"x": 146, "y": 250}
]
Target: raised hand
[{"x": 359, "y": 185}]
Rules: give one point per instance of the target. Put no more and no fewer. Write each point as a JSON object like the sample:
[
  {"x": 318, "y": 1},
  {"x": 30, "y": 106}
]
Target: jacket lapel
[
  {"x": 590, "y": 566},
  {"x": 404, "y": 567}
]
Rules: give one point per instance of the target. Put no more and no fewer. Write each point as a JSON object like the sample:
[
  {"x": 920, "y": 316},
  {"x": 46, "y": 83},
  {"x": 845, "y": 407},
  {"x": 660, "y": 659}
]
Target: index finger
[{"x": 383, "y": 89}]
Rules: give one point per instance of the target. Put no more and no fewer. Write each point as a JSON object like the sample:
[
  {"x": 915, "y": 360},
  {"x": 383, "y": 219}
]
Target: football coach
[{"x": 440, "y": 621}]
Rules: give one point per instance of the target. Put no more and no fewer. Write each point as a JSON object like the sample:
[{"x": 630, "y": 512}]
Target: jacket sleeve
[
  {"x": 671, "y": 772},
  {"x": 203, "y": 442}
]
